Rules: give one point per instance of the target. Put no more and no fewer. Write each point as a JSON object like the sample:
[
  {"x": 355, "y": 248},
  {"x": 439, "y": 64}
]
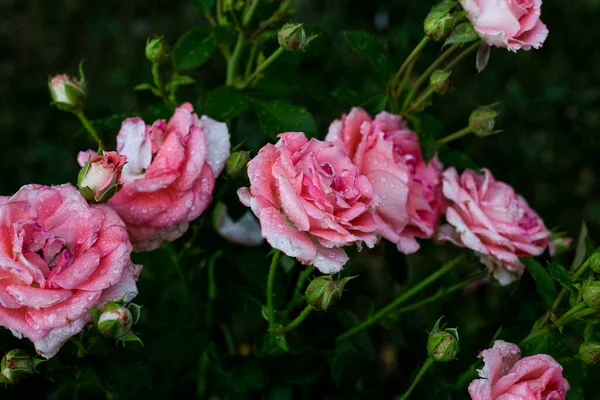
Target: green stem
[
  {"x": 566, "y": 316},
  {"x": 160, "y": 86},
  {"x": 426, "y": 365},
  {"x": 299, "y": 286},
  {"x": 425, "y": 75},
  {"x": 401, "y": 299},
  {"x": 233, "y": 60},
  {"x": 262, "y": 67},
  {"x": 403, "y": 68},
  {"x": 422, "y": 99},
  {"x": 89, "y": 127},
  {"x": 454, "y": 136},
  {"x": 185, "y": 287},
  {"x": 270, "y": 282},
  {"x": 440, "y": 294},
  {"x": 462, "y": 55},
  {"x": 250, "y": 62},
  {"x": 250, "y": 12},
  {"x": 298, "y": 320},
  {"x": 212, "y": 286}
]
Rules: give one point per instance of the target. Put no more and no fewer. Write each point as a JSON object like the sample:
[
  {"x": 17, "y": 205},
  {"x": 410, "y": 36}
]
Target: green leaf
[
  {"x": 143, "y": 86},
  {"x": 428, "y": 145},
  {"x": 225, "y": 102},
  {"x": 535, "y": 343},
  {"x": 224, "y": 35},
  {"x": 278, "y": 116},
  {"x": 375, "y": 104},
  {"x": 588, "y": 333},
  {"x": 179, "y": 80},
  {"x": 581, "y": 247},
  {"x": 369, "y": 49},
  {"x": 544, "y": 282},
  {"x": 347, "y": 367},
  {"x": 463, "y": 33},
  {"x": 193, "y": 49},
  {"x": 560, "y": 274},
  {"x": 204, "y": 6}
]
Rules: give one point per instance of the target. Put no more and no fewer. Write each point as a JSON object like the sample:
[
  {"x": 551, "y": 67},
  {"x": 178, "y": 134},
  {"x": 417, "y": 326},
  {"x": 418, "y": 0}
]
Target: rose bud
[
  {"x": 157, "y": 50},
  {"x": 595, "y": 261},
  {"x": 438, "y": 23},
  {"x": 16, "y": 365},
  {"x": 237, "y": 164},
  {"x": 99, "y": 179},
  {"x": 292, "y": 37},
  {"x": 115, "y": 321},
  {"x": 481, "y": 121},
  {"x": 442, "y": 344},
  {"x": 591, "y": 295},
  {"x": 323, "y": 292},
  {"x": 440, "y": 81},
  {"x": 67, "y": 93},
  {"x": 589, "y": 352}
]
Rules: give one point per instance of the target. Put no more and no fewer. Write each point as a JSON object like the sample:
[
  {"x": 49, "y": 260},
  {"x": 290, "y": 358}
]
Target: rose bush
[
  {"x": 506, "y": 23},
  {"x": 170, "y": 174},
  {"x": 311, "y": 200},
  {"x": 388, "y": 153},
  {"x": 59, "y": 257},
  {"x": 505, "y": 376}
]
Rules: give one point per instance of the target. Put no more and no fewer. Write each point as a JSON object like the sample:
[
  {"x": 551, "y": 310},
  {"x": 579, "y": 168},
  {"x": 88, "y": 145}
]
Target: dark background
[{"x": 548, "y": 152}]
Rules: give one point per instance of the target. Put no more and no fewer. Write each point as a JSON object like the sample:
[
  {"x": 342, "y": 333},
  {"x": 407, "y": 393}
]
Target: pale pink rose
[
  {"x": 310, "y": 200},
  {"x": 246, "y": 231},
  {"x": 101, "y": 178},
  {"x": 514, "y": 24},
  {"x": 66, "y": 90},
  {"x": 170, "y": 174},
  {"x": 388, "y": 153},
  {"x": 59, "y": 257},
  {"x": 489, "y": 217},
  {"x": 507, "y": 376}
]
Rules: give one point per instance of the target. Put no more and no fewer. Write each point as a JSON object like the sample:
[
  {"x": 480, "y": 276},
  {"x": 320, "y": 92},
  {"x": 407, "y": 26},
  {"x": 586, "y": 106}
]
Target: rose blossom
[
  {"x": 310, "y": 200},
  {"x": 507, "y": 376},
  {"x": 387, "y": 153},
  {"x": 490, "y": 218},
  {"x": 170, "y": 174},
  {"x": 100, "y": 180},
  {"x": 59, "y": 257},
  {"x": 514, "y": 24}
]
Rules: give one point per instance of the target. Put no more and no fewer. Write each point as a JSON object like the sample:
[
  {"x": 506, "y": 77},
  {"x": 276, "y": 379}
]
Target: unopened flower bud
[
  {"x": 292, "y": 37},
  {"x": 595, "y": 261},
  {"x": 99, "y": 179},
  {"x": 157, "y": 50},
  {"x": 438, "y": 25},
  {"x": 591, "y": 295},
  {"x": 323, "y": 292},
  {"x": 16, "y": 365},
  {"x": 237, "y": 163},
  {"x": 67, "y": 93},
  {"x": 440, "y": 81},
  {"x": 589, "y": 352},
  {"x": 442, "y": 344},
  {"x": 482, "y": 121},
  {"x": 115, "y": 321}
]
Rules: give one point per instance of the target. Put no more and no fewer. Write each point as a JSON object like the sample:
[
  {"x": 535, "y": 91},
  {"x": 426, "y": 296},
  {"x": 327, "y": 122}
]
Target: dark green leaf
[
  {"x": 535, "y": 343},
  {"x": 224, "y": 35},
  {"x": 588, "y": 333},
  {"x": 143, "y": 86},
  {"x": 180, "y": 80},
  {"x": 204, "y": 6},
  {"x": 560, "y": 274},
  {"x": 457, "y": 159},
  {"x": 368, "y": 48},
  {"x": 375, "y": 104},
  {"x": 278, "y": 116},
  {"x": 193, "y": 49},
  {"x": 347, "y": 366},
  {"x": 463, "y": 33},
  {"x": 428, "y": 145},
  {"x": 581, "y": 248},
  {"x": 544, "y": 282},
  {"x": 225, "y": 102}
]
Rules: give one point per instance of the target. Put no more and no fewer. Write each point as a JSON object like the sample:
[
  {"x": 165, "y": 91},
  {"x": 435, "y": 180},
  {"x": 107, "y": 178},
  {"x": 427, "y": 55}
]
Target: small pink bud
[
  {"x": 99, "y": 178},
  {"x": 67, "y": 93}
]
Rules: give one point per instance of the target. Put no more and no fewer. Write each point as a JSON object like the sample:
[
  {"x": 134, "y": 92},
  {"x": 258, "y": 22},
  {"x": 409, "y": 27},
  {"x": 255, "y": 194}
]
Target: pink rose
[
  {"x": 387, "y": 153},
  {"x": 507, "y": 376},
  {"x": 490, "y": 218},
  {"x": 310, "y": 200},
  {"x": 514, "y": 24},
  {"x": 59, "y": 257},
  {"x": 100, "y": 180},
  {"x": 170, "y": 174}
]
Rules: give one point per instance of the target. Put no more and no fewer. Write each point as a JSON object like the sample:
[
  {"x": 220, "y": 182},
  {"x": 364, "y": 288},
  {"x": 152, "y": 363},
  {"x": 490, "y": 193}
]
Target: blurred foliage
[{"x": 205, "y": 337}]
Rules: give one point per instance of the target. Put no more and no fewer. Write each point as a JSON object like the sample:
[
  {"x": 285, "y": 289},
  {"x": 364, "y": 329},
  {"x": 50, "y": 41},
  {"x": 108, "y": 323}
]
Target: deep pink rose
[
  {"x": 170, "y": 174},
  {"x": 507, "y": 376},
  {"x": 514, "y": 24},
  {"x": 59, "y": 256},
  {"x": 489, "y": 217},
  {"x": 100, "y": 179},
  {"x": 387, "y": 153},
  {"x": 310, "y": 200}
]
